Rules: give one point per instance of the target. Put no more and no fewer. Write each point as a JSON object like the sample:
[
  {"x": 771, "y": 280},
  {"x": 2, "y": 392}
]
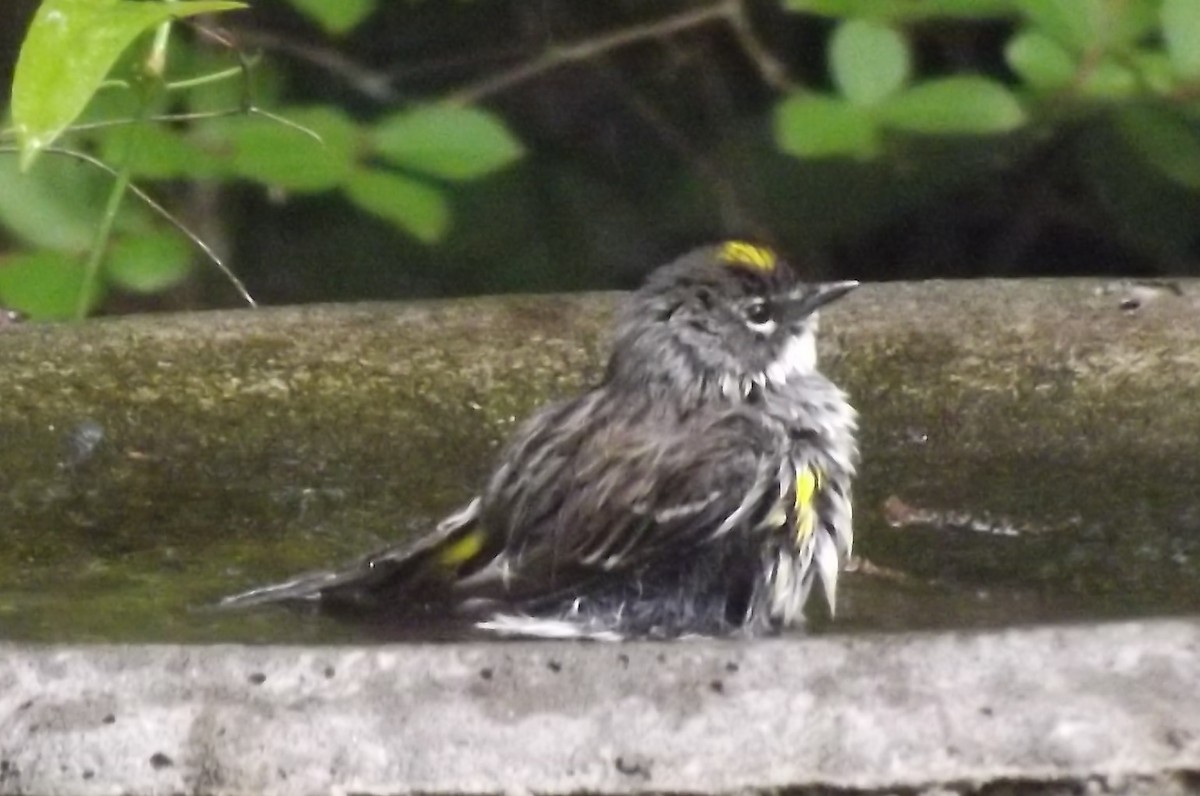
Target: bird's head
[{"x": 733, "y": 317}]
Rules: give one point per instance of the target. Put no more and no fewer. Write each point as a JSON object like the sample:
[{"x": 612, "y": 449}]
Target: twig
[
  {"x": 380, "y": 86},
  {"x": 562, "y": 55},
  {"x": 368, "y": 82},
  {"x": 772, "y": 70}
]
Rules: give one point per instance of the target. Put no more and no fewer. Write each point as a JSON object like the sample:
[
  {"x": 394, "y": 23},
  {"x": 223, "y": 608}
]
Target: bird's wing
[
  {"x": 626, "y": 496},
  {"x": 619, "y": 498}
]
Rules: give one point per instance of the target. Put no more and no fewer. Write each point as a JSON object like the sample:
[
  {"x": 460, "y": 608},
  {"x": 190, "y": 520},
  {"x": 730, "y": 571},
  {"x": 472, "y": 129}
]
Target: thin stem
[
  {"x": 162, "y": 117},
  {"x": 162, "y": 212},
  {"x": 104, "y": 232},
  {"x": 197, "y": 116},
  {"x": 203, "y": 80}
]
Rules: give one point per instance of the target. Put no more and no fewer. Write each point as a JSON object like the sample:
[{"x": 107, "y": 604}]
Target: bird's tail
[{"x": 386, "y": 576}]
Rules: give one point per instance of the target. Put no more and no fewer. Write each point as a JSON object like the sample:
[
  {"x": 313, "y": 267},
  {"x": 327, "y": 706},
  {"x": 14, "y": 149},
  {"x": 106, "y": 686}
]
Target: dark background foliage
[{"x": 641, "y": 140}]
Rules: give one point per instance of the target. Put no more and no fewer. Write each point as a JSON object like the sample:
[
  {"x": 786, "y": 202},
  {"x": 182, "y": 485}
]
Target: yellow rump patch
[
  {"x": 462, "y": 550},
  {"x": 737, "y": 252}
]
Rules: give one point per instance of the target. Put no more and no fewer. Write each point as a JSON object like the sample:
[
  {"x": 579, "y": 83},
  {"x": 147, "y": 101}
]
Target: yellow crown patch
[{"x": 737, "y": 252}]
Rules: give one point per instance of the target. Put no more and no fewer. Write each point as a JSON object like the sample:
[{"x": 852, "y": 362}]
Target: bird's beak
[{"x": 813, "y": 297}]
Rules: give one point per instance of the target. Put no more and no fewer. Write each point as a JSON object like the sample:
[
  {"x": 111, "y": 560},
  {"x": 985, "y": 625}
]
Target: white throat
[{"x": 798, "y": 357}]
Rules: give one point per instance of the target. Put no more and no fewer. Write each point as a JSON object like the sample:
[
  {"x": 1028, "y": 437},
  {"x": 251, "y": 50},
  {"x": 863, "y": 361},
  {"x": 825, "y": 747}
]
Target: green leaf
[
  {"x": 69, "y": 49},
  {"x": 812, "y": 126},
  {"x": 1076, "y": 24},
  {"x": 1093, "y": 26},
  {"x": 148, "y": 263},
  {"x": 1110, "y": 79},
  {"x": 44, "y": 285},
  {"x": 868, "y": 60},
  {"x": 335, "y": 16},
  {"x": 447, "y": 141},
  {"x": 1131, "y": 21},
  {"x": 55, "y": 206},
  {"x": 284, "y": 156},
  {"x": 419, "y": 208},
  {"x": 161, "y": 154},
  {"x": 900, "y": 11},
  {"x": 1041, "y": 61},
  {"x": 965, "y": 105},
  {"x": 1164, "y": 140},
  {"x": 1181, "y": 32},
  {"x": 1153, "y": 70}
]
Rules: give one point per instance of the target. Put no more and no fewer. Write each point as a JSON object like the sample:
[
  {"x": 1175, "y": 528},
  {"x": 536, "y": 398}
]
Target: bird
[{"x": 700, "y": 489}]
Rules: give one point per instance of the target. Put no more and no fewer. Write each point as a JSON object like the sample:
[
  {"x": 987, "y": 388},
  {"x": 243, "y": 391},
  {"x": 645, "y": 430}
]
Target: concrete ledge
[{"x": 1103, "y": 709}]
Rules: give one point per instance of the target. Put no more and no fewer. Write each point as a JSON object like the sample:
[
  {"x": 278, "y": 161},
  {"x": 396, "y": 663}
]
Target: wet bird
[{"x": 701, "y": 488}]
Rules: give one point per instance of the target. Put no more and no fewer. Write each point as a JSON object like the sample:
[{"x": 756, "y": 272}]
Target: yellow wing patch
[
  {"x": 461, "y": 550},
  {"x": 737, "y": 252},
  {"x": 808, "y": 482}
]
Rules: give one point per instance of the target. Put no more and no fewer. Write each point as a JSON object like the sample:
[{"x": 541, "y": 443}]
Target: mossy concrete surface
[
  {"x": 1030, "y": 451},
  {"x": 1111, "y": 709},
  {"x": 151, "y": 464}
]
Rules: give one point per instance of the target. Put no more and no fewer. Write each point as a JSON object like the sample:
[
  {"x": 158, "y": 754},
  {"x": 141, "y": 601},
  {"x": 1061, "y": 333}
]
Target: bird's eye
[
  {"x": 759, "y": 313},
  {"x": 664, "y": 313}
]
